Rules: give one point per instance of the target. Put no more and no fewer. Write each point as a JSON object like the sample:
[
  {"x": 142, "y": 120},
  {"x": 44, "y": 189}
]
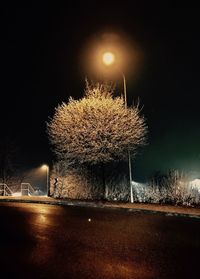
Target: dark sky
[{"x": 40, "y": 52}]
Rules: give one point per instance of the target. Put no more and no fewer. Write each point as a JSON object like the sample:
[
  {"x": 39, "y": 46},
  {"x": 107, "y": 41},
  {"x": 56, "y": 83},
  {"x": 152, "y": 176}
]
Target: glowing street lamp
[
  {"x": 108, "y": 58},
  {"x": 46, "y": 168}
]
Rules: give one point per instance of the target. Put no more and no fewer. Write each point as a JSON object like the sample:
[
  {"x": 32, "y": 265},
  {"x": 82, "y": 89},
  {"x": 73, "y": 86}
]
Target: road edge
[{"x": 99, "y": 205}]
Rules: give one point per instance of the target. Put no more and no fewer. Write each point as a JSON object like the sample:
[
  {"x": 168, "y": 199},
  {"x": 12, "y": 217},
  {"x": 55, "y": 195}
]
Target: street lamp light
[
  {"x": 108, "y": 58},
  {"x": 46, "y": 167}
]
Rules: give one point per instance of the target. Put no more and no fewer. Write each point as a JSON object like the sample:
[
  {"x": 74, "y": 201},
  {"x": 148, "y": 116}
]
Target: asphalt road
[{"x": 47, "y": 241}]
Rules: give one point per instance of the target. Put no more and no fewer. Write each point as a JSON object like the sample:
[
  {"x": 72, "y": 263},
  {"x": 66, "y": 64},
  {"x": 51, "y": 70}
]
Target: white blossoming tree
[{"x": 96, "y": 129}]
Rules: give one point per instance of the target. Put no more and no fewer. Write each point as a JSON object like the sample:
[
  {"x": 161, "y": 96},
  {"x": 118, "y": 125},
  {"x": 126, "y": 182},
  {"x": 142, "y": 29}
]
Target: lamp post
[
  {"x": 108, "y": 59},
  {"x": 46, "y": 167}
]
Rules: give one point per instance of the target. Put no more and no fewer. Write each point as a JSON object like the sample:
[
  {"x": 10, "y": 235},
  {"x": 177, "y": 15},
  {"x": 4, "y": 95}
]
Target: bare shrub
[
  {"x": 170, "y": 188},
  {"x": 88, "y": 183},
  {"x": 67, "y": 182}
]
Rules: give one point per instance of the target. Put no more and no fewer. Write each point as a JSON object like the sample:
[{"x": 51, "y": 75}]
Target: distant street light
[
  {"x": 108, "y": 58},
  {"x": 46, "y": 167}
]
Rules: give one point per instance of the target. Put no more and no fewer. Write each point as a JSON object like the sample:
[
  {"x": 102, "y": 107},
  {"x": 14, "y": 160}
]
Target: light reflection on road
[{"x": 113, "y": 244}]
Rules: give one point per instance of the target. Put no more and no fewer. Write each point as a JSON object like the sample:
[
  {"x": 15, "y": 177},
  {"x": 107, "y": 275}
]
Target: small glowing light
[
  {"x": 108, "y": 58},
  {"x": 89, "y": 220},
  {"x": 44, "y": 167}
]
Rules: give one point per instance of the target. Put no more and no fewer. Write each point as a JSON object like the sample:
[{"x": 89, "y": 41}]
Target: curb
[{"x": 99, "y": 205}]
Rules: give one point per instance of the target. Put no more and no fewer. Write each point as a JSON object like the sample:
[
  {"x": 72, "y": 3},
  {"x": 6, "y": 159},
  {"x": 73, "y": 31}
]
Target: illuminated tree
[{"x": 96, "y": 129}]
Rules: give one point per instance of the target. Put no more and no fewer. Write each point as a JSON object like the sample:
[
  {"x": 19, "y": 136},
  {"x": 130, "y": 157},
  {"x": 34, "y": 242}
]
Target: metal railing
[
  {"x": 5, "y": 190},
  {"x": 27, "y": 189}
]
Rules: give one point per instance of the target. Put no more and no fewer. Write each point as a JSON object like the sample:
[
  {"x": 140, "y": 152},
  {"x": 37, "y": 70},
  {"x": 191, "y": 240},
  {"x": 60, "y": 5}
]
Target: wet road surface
[{"x": 47, "y": 241}]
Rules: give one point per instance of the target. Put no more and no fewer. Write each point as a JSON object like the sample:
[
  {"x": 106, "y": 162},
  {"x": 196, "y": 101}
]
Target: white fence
[
  {"x": 25, "y": 190},
  {"x": 5, "y": 190}
]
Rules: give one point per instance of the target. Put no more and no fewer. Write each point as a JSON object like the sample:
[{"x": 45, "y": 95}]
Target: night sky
[{"x": 40, "y": 52}]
